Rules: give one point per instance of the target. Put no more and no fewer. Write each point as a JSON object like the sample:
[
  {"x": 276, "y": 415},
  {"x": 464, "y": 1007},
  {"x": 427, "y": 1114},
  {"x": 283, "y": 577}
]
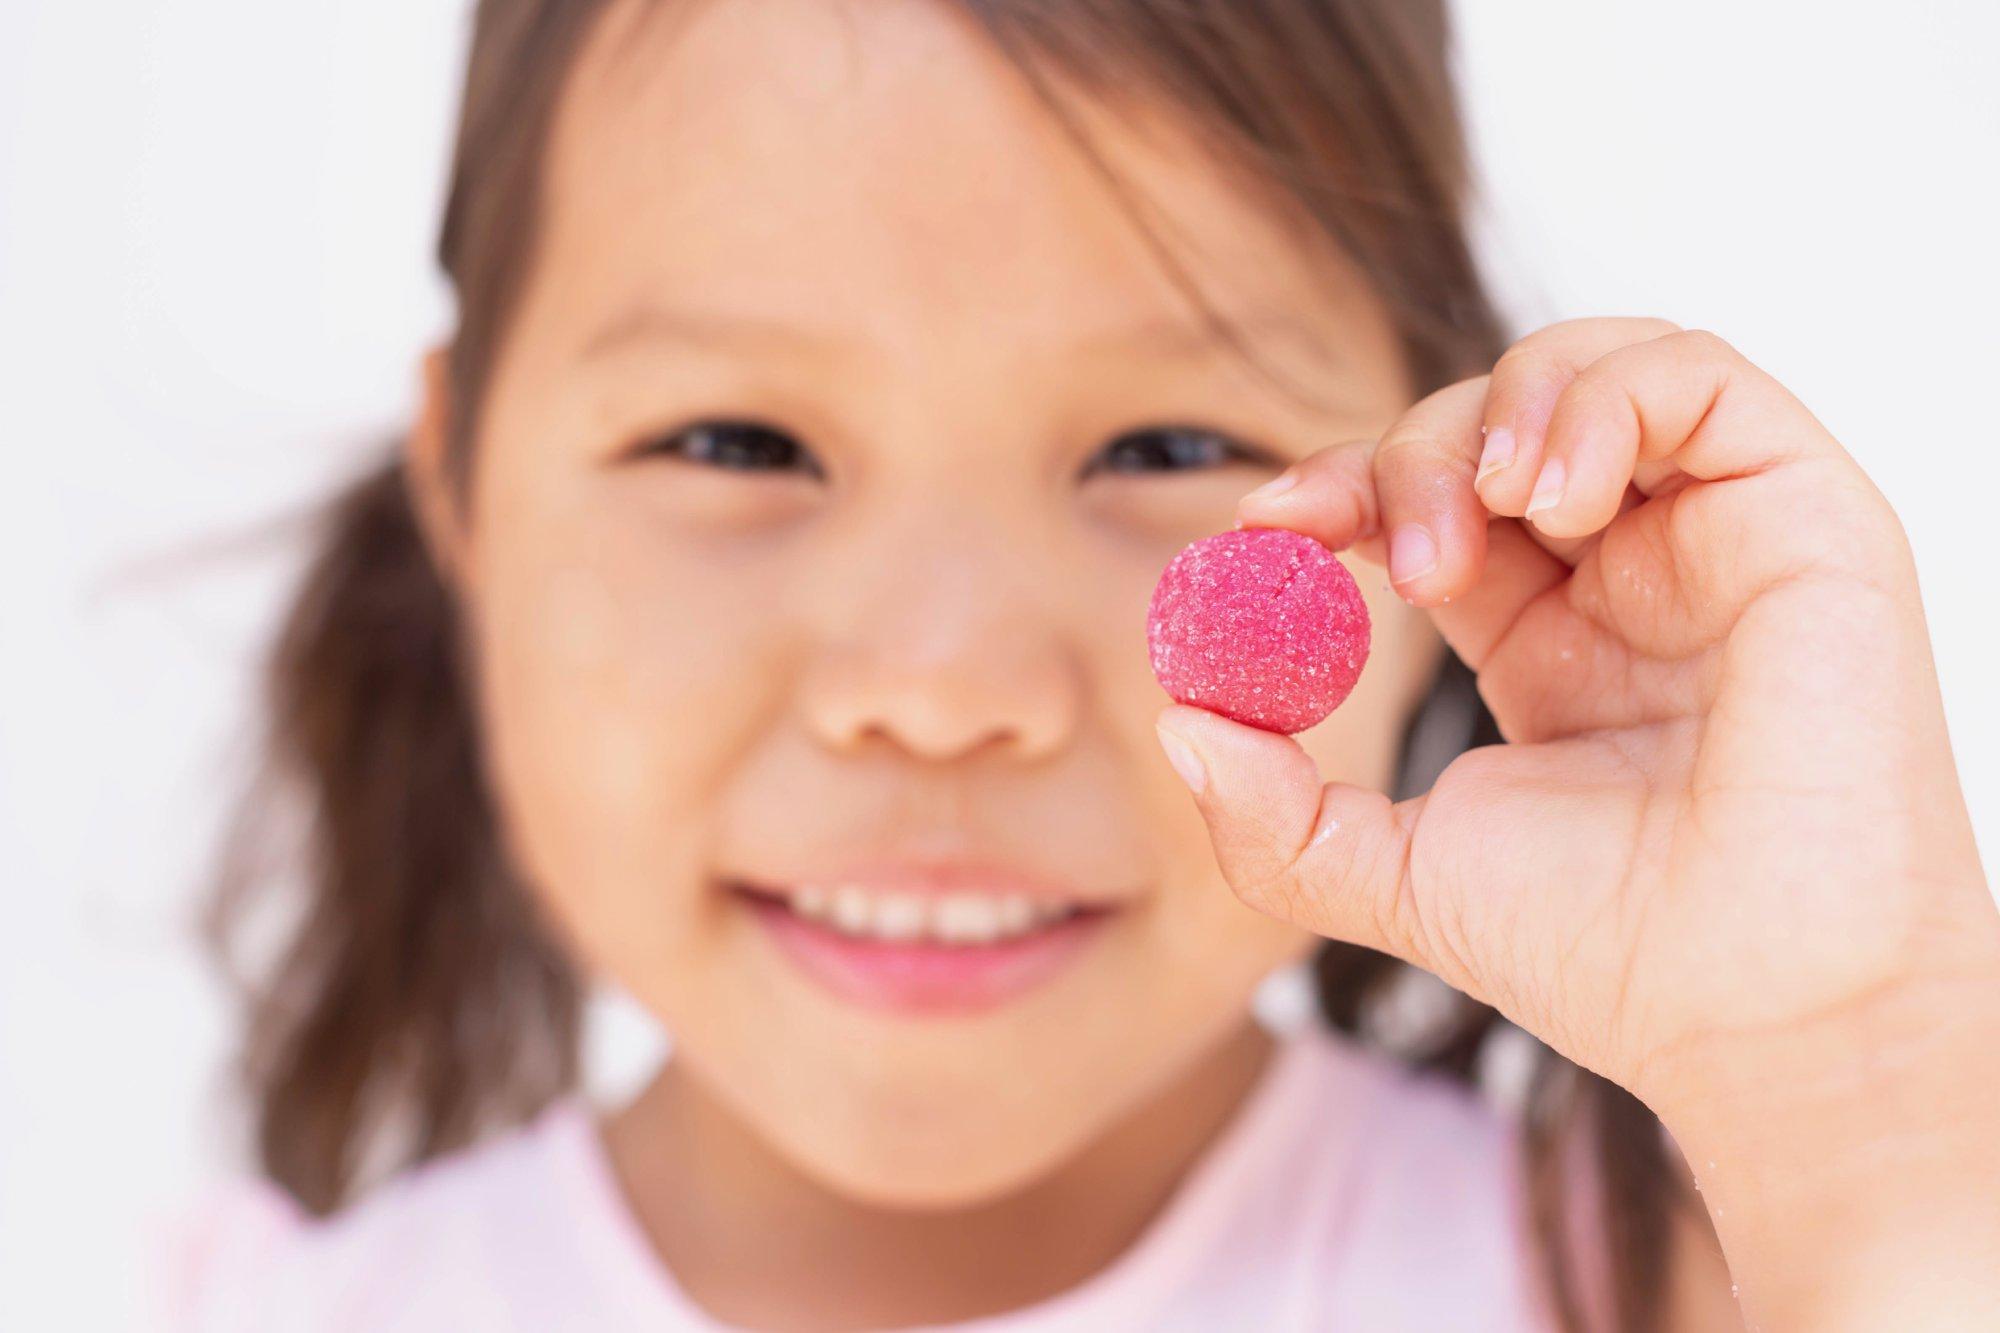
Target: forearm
[{"x": 1857, "y": 1185}]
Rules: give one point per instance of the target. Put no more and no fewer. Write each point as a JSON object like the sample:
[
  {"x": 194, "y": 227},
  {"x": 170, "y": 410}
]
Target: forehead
[{"x": 883, "y": 168}]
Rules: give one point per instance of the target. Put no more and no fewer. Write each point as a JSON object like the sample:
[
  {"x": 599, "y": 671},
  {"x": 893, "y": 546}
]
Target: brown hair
[{"x": 417, "y": 1000}]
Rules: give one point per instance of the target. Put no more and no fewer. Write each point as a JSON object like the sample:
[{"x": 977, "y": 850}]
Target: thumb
[{"x": 1331, "y": 858}]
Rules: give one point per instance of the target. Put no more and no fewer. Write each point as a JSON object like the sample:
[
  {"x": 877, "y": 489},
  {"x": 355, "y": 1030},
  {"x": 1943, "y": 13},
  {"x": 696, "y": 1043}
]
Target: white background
[{"x": 215, "y": 223}]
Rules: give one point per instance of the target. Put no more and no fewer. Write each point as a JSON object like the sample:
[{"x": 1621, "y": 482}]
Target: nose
[{"x": 941, "y": 645}]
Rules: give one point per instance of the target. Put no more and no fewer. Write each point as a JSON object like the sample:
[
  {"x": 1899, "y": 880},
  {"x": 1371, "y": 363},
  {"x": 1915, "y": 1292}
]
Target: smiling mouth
[
  {"x": 923, "y": 950},
  {"x": 963, "y": 918}
]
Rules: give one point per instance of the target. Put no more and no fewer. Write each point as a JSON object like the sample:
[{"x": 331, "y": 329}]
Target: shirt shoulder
[
  {"x": 1420, "y": 1221},
  {"x": 484, "y": 1238},
  {"x": 1349, "y": 1192}
]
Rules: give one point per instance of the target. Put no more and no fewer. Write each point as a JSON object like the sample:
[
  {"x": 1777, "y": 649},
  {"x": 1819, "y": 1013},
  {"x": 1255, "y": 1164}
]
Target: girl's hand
[{"x": 1724, "y": 860}]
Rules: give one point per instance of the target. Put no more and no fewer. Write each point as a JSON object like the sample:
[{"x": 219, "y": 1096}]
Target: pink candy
[{"x": 1261, "y": 625}]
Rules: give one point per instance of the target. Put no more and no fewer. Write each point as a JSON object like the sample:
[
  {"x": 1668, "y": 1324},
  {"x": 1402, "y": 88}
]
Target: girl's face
[{"x": 843, "y": 427}]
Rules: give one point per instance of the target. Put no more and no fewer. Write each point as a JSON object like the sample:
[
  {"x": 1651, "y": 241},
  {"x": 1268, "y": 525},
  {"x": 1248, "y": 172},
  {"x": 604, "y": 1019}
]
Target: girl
[{"x": 754, "y": 619}]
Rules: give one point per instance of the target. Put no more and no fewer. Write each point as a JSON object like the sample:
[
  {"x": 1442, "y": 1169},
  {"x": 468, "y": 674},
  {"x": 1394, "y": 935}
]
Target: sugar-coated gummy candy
[{"x": 1262, "y": 625}]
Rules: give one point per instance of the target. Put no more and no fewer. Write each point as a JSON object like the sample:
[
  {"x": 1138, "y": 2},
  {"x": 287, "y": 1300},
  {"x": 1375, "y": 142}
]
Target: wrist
[{"x": 1853, "y": 1175}]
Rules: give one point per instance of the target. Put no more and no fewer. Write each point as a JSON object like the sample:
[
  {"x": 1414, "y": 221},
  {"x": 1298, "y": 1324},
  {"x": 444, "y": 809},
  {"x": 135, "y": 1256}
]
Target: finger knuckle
[
  {"x": 1618, "y": 330},
  {"x": 1602, "y": 384},
  {"x": 1598, "y": 330},
  {"x": 1273, "y": 890},
  {"x": 1553, "y": 334},
  {"x": 1875, "y": 531},
  {"x": 1525, "y": 373},
  {"x": 1517, "y": 361},
  {"x": 1263, "y": 872},
  {"x": 1447, "y": 939},
  {"x": 1705, "y": 344},
  {"x": 1334, "y": 457},
  {"x": 1396, "y": 920},
  {"x": 1405, "y": 444}
]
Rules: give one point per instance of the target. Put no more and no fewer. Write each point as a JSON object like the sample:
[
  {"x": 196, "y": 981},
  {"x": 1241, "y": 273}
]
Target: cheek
[{"x": 596, "y": 635}]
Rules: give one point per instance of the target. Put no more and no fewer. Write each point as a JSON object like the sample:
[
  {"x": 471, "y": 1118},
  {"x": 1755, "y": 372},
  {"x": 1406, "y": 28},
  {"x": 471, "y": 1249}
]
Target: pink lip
[{"x": 921, "y": 977}]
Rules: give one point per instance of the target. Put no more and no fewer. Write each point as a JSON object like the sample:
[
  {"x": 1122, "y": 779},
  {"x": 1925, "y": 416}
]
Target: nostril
[{"x": 974, "y": 703}]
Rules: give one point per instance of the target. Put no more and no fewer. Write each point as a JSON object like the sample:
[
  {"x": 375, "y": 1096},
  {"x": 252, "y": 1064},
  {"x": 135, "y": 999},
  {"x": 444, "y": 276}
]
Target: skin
[
  {"x": 690, "y": 673},
  {"x": 1725, "y": 861},
  {"x": 930, "y": 641}
]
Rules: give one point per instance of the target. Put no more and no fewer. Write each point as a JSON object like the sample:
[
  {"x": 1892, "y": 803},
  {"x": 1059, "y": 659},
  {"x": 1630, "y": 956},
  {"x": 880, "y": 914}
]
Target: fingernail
[
  {"x": 1497, "y": 453},
  {"x": 1182, "y": 756},
  {"x": 1276, "y": 486},
  {"x": 1413, "y": 552},
  {"x": 1548, "y": 488}
]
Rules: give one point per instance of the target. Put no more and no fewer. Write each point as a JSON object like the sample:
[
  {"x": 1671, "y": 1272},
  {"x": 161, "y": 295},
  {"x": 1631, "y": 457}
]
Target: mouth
[{"x": 923, "y": 948}]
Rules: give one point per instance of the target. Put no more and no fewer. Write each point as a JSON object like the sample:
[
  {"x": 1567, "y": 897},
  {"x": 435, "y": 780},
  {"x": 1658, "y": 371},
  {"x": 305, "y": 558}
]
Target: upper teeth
[{"x": 945, "y": 918}]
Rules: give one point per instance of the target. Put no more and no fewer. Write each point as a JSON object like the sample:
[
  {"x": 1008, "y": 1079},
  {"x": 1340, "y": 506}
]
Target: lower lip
[{"x": 919, "y": 978}]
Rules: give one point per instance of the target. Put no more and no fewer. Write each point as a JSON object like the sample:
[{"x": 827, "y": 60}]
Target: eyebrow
[{"x": 650, "y": 322}]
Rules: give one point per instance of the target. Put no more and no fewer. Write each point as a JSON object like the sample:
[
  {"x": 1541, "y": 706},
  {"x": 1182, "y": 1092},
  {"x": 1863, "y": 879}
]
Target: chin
[
  {"x": 932, "y": 1117},
  {"x": 961, "y": 1167}
]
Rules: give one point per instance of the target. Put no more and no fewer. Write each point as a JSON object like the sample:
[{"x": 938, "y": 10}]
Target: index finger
[
  {"x": 1421, "y": 474},
  {"x": 1412, "y": 493}
]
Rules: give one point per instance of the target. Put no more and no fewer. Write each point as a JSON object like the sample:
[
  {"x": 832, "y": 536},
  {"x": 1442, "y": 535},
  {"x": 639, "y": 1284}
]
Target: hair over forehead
[{"x": 1340, "y": 113}]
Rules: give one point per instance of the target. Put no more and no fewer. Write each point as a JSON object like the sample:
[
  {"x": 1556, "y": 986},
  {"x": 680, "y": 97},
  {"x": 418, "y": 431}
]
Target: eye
[
  {"x": 1173, "y": 449},
  {"x": 738, "y": 446}
]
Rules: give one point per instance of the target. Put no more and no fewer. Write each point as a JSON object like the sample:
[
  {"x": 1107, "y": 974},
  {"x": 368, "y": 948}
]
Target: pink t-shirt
[{"x": 1345, "y": 1193}]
